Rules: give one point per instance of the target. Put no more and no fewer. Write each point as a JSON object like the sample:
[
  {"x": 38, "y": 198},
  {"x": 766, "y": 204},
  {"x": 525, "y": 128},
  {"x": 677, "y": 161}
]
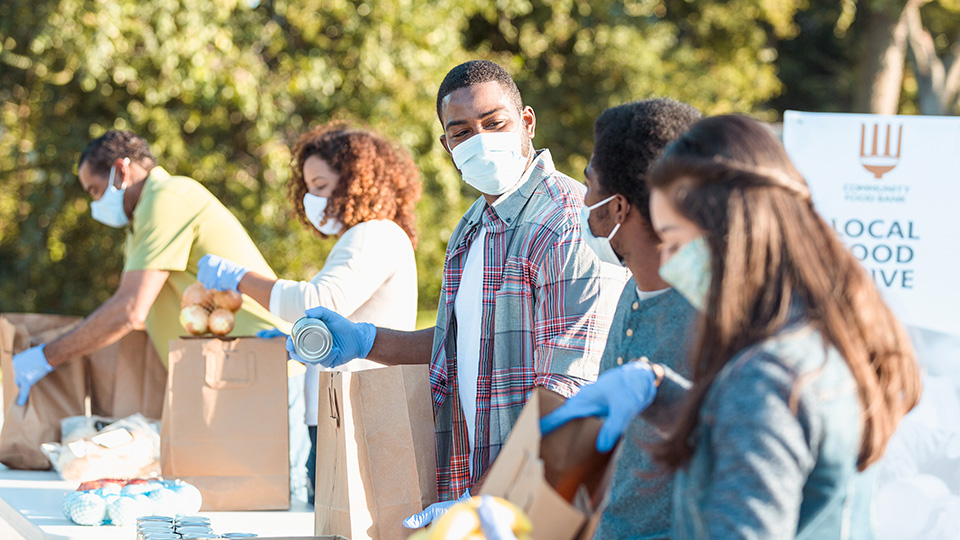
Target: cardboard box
[{"x": 558, "y": 480}]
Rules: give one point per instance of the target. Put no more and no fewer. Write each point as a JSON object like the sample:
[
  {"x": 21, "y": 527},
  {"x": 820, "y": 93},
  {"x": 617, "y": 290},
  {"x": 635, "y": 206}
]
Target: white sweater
[{"x": 370, "y": 276}]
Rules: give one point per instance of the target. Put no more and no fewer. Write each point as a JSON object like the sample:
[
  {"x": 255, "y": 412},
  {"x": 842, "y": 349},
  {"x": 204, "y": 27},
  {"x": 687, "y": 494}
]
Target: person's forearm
[
  {"x": 110, "y": 322},
  {"x": 257, "y": 287},
  {"x": 395, "y": 347}
]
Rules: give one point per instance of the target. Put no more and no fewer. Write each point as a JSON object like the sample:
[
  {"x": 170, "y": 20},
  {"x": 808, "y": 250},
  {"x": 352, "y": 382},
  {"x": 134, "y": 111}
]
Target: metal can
[
  {"x": 192, "y": 520},
  {"x": 161, "y": 519},
  {"x": 312, "y": 340}
]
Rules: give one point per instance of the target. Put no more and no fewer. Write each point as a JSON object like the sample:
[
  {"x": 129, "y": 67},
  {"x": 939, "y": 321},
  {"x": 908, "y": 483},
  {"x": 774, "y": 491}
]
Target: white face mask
[
  {"x": 491, "y": 162},
  {"x": 108, "y": 209},
  {"x": 599, "y": 245},
  {"x": 314, "y": 207}
]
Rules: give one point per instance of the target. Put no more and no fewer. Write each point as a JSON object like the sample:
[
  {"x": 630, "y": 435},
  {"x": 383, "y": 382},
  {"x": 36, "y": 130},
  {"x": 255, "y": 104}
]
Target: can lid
[
  {"x": 315, "y": 344},
  {"x": 311, "y": 339}
]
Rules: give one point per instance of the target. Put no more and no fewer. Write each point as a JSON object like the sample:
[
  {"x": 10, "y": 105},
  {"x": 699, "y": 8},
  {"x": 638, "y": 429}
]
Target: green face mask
[{"x": 688, "y": 271}]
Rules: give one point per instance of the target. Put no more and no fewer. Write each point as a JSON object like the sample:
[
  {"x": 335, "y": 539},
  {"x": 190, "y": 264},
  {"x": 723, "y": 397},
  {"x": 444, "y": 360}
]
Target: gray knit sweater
[{"x": 640, "y": 495}]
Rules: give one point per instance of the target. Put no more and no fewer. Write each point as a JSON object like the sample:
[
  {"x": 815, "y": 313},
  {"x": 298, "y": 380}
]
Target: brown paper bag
[
  {"x": 224, "y": 426},
  {"x": 558, "y": 480},
  {"x": 120, "y": 379},
  {"x": 60, "y": 394},
  {"x": 376, "y": 455},
  {"x": 127, "y": 377}
]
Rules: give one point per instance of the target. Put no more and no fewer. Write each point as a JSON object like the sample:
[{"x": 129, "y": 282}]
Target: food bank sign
[{"x": 890, "y": 186}]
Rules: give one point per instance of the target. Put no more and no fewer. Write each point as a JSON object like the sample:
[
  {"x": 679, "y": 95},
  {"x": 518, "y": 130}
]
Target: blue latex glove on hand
[
  {"x": 220, "y": 274},
  {"x": 29, "y": 367},
  {"x": 618, "y": 395},
  {"x": 271, "y": 333},
  {"x": 350, "y": 340},
  {"x": 493, "y": 529},
  {"x": 432, "y": 512}
]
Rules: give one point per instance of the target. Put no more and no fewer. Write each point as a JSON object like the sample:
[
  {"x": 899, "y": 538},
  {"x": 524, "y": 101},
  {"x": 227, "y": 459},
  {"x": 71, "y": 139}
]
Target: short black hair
[
  {"x": 112, "y": 145},
  {"x": 477, "y": 72},
  {"x": 628, "y": 138}
]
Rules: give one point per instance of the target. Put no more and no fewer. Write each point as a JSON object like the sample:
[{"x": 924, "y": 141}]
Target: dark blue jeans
[{"x": 312, "y": 463}]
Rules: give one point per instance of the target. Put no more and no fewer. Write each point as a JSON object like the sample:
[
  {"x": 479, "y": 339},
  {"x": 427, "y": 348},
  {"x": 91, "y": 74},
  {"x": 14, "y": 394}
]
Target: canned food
[
  {"x": 193, "y": 520},
  {"x": 155, "y": 524},
  {"x": 158, "y": 535},
  {"x": 194, "y": 528},
  {"x": 147, "y": 530},
  {"x": 312, "y": 340},
  {"x": 161, "y": 519}
]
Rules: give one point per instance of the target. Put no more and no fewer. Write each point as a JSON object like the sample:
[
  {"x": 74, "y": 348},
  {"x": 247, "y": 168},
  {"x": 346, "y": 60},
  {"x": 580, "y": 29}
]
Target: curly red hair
[{"x": 378, "y": 179}]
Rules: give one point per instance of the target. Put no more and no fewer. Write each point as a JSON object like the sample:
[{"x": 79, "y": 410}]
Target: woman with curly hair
[
  {"x": 800, "y": 371},
  {"x": 354, "y": 185}
]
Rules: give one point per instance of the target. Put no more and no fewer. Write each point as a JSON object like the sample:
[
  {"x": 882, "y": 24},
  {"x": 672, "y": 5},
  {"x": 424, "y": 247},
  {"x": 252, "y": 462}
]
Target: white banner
[{"x": 890, "y": 186}]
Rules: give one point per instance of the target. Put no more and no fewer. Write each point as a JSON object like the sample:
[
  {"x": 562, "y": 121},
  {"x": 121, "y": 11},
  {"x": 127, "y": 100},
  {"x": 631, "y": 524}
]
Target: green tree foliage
[
  {"x": 817, "y": 65},
  {"x": 573, "y": 59},
  {"x": 222, "y": 88}
]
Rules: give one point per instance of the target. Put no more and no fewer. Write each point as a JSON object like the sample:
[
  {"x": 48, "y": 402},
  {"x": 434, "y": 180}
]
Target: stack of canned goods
[
  {"x": 156, "y": 528},
  {"x": 180, "y": 527}
]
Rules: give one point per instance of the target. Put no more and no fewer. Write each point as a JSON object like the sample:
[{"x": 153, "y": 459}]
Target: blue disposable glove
[
  {"x": 432, "y": 512},
  {"x": 219, "y": 274},
  {"x": 618, "y": 395},
  {"x": 29, "y": 367},
  {"x": 493, "y": 528},
  {"x": 271, "y": 333},
  {"x": 350, "y": 340}
]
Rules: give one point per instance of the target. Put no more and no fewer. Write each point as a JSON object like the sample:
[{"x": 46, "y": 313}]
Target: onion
[
  {"x": 221, "y": 321},
  {"x": 230, "y": 300},
  {"x": 194, "y": 319},
  {"x": 196, "y": 295}
]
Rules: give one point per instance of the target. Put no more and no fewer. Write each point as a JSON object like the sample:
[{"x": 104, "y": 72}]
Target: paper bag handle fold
[
  {"x": 229, "y": 369},
  {"x": 334, "y": 404}
]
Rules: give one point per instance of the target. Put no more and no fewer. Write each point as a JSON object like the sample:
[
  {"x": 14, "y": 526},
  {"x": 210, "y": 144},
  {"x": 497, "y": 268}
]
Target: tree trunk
[
  {"x": 881, "y": 65},
  {"x": 938, "y": 79}
]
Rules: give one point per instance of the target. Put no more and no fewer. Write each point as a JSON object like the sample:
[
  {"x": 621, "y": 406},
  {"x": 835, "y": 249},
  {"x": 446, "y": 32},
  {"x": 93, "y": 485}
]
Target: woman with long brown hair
[
  {"x": 801, "y": 373},
  {"x": 356, "y": 186}
]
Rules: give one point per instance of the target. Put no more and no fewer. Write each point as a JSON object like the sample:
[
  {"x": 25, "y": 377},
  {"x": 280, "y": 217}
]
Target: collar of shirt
[
  {"x": 508, "y": 206},
  {"x": 646, "y": 295},
  {"x": 156, "y": 174}
]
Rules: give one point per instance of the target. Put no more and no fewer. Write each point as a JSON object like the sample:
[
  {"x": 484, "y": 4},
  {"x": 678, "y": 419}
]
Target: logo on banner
[
  {"x": 876, "y": 162},
  {"x": 880, "y": 151}
]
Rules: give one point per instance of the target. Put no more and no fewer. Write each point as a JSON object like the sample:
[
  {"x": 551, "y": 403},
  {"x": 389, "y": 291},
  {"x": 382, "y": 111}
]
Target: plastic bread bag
[{"x": 93, "y": 448}]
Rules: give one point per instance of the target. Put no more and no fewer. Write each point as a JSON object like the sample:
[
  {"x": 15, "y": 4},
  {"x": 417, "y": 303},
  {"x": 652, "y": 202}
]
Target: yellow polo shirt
[{"x": 176, "y": 222}]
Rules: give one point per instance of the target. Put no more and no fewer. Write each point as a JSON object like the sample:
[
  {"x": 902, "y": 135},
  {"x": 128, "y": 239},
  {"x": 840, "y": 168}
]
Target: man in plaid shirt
[{"x": 524, "y": 301}]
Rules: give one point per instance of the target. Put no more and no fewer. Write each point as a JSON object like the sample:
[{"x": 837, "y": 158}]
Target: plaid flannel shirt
[{"x": 547, "y": 305}]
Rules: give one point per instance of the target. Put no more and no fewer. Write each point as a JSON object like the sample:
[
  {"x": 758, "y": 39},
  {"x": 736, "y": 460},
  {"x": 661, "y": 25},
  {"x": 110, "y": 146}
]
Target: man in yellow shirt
[{"x": 171, "y": 222}]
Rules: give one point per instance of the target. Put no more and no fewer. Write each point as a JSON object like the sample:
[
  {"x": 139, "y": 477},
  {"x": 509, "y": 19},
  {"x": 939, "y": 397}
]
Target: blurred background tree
[{"x": 222, "y": 88}]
